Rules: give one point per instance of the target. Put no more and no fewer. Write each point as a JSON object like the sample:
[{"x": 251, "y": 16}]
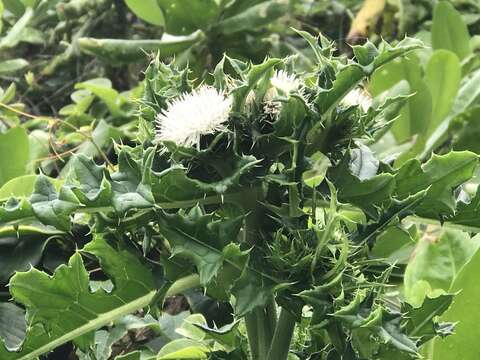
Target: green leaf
[
  {"x": 351, "y": 74},
  {"x": 440, "y": 175},
  {"x": 14, "y": 35},
  {"x": 422, "y": 321},
  {"x": 183, "y": 17},
  {"x": 50, "y": 207},
  {"x": 147, "y": 10},
  {"x": 467, "y": 213},
  {"x": 103, "y": 136},
  {"x": 14, "y": 210},
  {"x": 466, "y": 97},
  {"x": 395, "y": 244},
  {"x": 12, "y": 326},
  {"x": 416, "y": 114},
  {"x": 201, "y": 239},
  {"x": 436, "y": 264},
  {"x": 466, "y": 130},
  {"x": 357, "y": 181},
  {"x": 105, "y": 92},
  {"x": 11, "y": 66},
  {"x": 132, "y": 184},
  {"x": 316, "y": 174},
  {"x": 14, "y": 149},
  {"x": 21, "y": 248},
  {"x": 39, "y": 143},
  {"x": 89, "y": 183},
  {"x": 16, "y": 7},
  {"x": 61, "y": 308},
  {"x": 23, "y": 186},
  {"x": 449, "y": 30},
  {"x": 253, "y": 75},
  {"x": 463, "y": 311},
  {"x": 183, "y": 349},
  {"x": 442, "y": 75},
  {"x": 253, "y": 17}
]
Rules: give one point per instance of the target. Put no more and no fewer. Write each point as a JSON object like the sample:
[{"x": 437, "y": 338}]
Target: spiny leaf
[{"x": 61, "y": 308}]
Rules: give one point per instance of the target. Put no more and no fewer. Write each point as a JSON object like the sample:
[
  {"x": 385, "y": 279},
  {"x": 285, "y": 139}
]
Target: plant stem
[
  {"x": 252, "y": 334},
  {"x": 282, "y": 337},
  {"x": 183, "y": 284},
  {"x": 261, "y": 325}
]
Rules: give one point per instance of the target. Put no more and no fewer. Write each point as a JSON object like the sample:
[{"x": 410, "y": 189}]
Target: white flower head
[
  {"x": 358, "y": 97},
  {"x": 204, "y": 111},
  {"x": 285, "y": 82}
]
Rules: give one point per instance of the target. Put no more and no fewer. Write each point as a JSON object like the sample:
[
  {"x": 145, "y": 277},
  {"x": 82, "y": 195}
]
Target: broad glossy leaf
[
  {"x": 103, "y": 89},
  {"x": 23, "y": 186},
  {"x": 422, "y": 320},
  {"x": 316, "y": 174},
  {"x": 395, "y": 244},
  {"x": 14, "y": 148},
  {"x": 436, "y": 264},
  {"x": 466, "y": 97},
  {"x": 11, "y": 66},
  {"x": 183, "y": 349},
  {"x": 61, "y": 307},
  {"x": 449, "y": 31},
  {"x": 147, "y": 10},
  {"x": 22, "y": 248},
  {"x": 467, "y": 213},
  {"x": 14, "y": 210},
  {"x": 442, "y": 75},
  {"x": 464, "y": 311},
  {"x": 416, "y": 114},
  {"x": 103, "y": 136},
  {"x": 183, "y": 17},
  {"x": 12, "y": 326},
  {"x": 466, "y": 129},
  {"x": 254, "y": 17},
  {"x": 174, "y": 186},
  {"x": 39, "y": 149}
]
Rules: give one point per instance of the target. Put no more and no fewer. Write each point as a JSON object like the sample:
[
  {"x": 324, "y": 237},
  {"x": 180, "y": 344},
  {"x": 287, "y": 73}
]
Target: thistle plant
[{"x": 273, "y": 215}]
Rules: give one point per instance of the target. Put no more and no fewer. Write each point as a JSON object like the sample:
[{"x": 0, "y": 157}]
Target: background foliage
[{"x": 358, "y": 225}]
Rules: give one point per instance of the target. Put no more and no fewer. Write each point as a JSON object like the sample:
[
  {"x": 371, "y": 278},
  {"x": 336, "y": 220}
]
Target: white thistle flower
[
  {"x": 283, "y": 83},
  {"x": 204, "y": 111},
  {"x": 358, "y": 97}
]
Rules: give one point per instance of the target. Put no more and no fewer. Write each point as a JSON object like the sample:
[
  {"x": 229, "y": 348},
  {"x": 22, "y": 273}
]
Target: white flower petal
[
  {"x": 204, "y": 111},
  {"x": 285, "y": 82},
  {"x": 358, "y": 97}
]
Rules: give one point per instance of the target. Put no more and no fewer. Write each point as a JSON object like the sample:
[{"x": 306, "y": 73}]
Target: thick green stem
[
  {"x": 183, "y": 284},
  {"x": 261, "y": 325},
  {"x": 252, "y": 333},
  {"x": 282, "y": 337}
]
